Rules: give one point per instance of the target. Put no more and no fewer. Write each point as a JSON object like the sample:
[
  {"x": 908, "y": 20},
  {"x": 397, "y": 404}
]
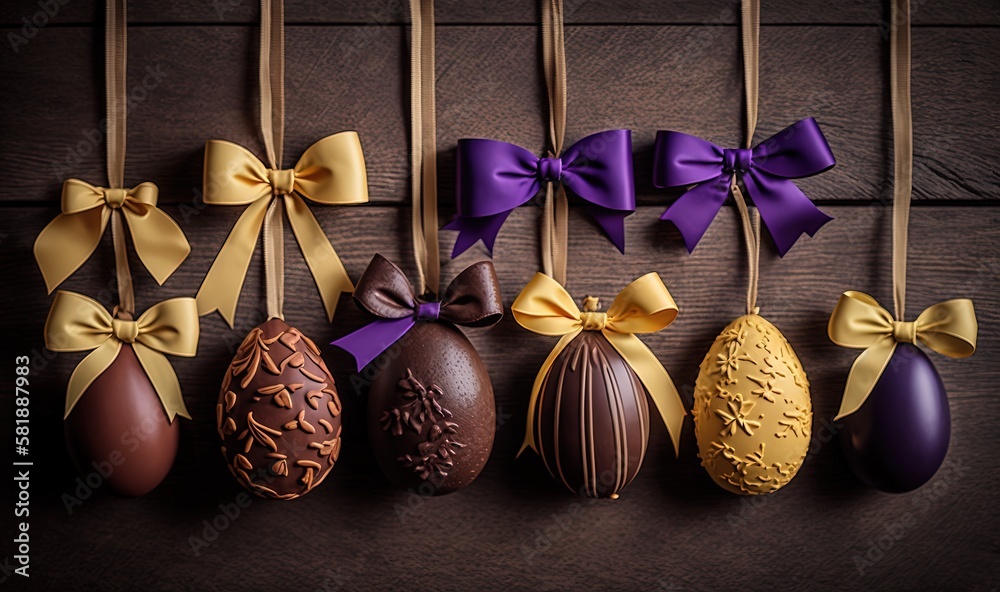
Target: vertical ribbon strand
[
  {"x": 423, "y": 137},
  {"x": 272, "y": 125},
  {"x": 116, "y": 99},
  {"x": 750, "y": 29},
  {"x": 555, "y": 218},
  {"x": 902, "y": 134}
]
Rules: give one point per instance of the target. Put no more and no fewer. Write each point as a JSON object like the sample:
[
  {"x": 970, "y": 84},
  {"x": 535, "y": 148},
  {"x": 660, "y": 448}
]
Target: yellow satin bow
[
  {"x": 644, "y": 306},
  {"x": 78, "y": 323},
  {"x": 331, "y": 171},
  {"x": 69, "y": 240},
  {"x": 858, "y": 321}
]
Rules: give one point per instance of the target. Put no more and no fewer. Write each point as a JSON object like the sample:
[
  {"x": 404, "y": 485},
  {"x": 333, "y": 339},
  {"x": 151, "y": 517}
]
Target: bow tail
[
  {"x": 369, "y": 341},
  {"x": 67, "y": 242},
  {"x": 470, "y": 230},
  {"x": 164, "y": 380},
  {"x": 159, "y": 241},
  {"x": 612, "y": 222},
  {"x": 529, "y": 429},
  {"x": 655, "y": 378},
  {"x": 222, "y": 285},
  {"x": 785, "y": 210},
  {"x": 326, "y": 267},
  {"x": 864, "y": 374},
  {"x": 87, "y": 371},
  {"x": 694, "y": 211}
]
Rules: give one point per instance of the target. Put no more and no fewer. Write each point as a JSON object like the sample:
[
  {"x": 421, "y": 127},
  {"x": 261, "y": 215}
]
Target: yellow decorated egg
[{"x": 752, "y": 412}]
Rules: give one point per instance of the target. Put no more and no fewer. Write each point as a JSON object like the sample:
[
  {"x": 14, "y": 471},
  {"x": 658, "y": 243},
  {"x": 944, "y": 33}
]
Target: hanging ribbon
[
  {"x": 858, "y": 321},
  {"x": 330, "y": 172},
  {"x": 73, "y": 236},
  {"x": 472, "y": 300},
  {"x": 78, "y": 323},
  {"x": 644, "y": 306},
  {"x": 765, "y": 170}
]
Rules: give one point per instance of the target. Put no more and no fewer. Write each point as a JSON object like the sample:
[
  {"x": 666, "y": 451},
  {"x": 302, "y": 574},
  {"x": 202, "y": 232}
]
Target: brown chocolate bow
[{"x": 472, "y": 300}]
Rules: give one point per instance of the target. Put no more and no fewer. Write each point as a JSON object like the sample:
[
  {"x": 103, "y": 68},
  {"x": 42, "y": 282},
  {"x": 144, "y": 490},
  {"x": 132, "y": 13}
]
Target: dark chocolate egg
[
  {"x": 431, "y": 416},
  {"x": 591, "y": 421},
  {"x": 898, "y": 438},
  {"x": 119, "y": 430},
  {"x": 279, "y": 413}
]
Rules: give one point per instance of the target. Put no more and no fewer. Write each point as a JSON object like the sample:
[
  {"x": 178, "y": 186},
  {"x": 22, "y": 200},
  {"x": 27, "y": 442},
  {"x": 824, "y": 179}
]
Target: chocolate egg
[
  {"x": 431, "y": 416},
  {"x": 898, "y": 438},
  {"x": 279, "y": 413},
  {"x": 752, "y": 412},
  {"x": 591, "y": 420},
  {"x": 119, "y": 430}
]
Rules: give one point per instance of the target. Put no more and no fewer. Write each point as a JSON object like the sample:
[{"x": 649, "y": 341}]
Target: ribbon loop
[
  {"x": 472, "y": 300},
  {"x": 493, "y": 178},
  {"x": 330, "y": 172},
  {"x": 78, "y": 323},
  {"x": 859, "y": 321},
  {"x": 767, "y": 171},
  {"x": 644, "y": 306}
]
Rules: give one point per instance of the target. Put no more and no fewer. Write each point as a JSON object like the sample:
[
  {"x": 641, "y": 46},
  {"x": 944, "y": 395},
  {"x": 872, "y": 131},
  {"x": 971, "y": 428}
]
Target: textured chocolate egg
[
  {"x": 431, "y": 415},
  {"x": 279, "y": 413},
  {"x": 752, "y": 412},
  {"x": 119, "y": 430},
  {"x": 899, "y": 437},
  {"x": 591, "y": 421}
]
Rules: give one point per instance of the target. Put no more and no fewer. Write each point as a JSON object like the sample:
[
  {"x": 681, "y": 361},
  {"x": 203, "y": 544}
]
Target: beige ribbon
[
  {"x": 555, "y": 216},
  {"x": 858, "y": 321},
  {"x": 423, "y": 137},
  {"x": 331, "y": 171},
  {"x": 750, "y": 28}
]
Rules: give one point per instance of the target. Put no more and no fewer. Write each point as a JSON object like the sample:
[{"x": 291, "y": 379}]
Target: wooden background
[{"x": 638, "y": 64}]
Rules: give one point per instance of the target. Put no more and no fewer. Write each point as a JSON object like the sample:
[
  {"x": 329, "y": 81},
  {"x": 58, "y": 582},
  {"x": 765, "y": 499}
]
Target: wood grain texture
[
  {"x": 381, "y": 12},
  {"x": 640, "y": 78},
  {"x": 515, "y": 528}
]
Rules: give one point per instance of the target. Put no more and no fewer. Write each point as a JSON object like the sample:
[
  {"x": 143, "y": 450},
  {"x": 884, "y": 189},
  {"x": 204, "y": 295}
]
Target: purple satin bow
[
  {"x": 472, "y": 299},
  {"x": 495, "y": 177},
  {"x": 800, "y": 150}
]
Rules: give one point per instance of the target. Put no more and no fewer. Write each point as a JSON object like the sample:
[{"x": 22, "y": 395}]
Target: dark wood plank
[
  {"x": 643, "y": 78},
  {"x": 515, "y": 529},
  {"x": 974, "y": 12}
]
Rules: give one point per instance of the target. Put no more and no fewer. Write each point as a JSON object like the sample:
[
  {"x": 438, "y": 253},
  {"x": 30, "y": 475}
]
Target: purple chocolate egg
[{"x": 898, "y": 439}]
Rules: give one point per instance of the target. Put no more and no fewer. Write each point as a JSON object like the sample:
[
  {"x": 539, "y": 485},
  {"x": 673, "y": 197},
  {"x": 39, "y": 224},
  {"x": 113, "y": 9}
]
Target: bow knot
[
  {"x": 282, "y": 181},
  {"x": 904, "y": 331},
  {"x": 493, "y": 178},
  {"x": 125, "y": 330},
  {"x": 115, "y": 197},
  {"x": 331, "y": 171},
  {"x": 644, "y": 306},
  {"x": 472, "y": 299},
  {"x": 736, "y": 160},
  {"x": 71, "y": 238},
  {"x": 859, "y": 321},
  {"x": 550, "y": 169},
  {"x": 428, "y": 311},
  {"x": 766, "y": 170},
  {"x": 78, "y": 323}
]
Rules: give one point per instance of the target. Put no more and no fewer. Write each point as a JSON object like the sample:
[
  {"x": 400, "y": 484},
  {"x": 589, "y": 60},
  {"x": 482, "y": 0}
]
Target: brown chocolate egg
[
  {"x": 591, "y": 420},
  {"x": 431, "y": 416},
  {"x": 279, "y": 413},
  {"x": 119, "y": 431}
]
